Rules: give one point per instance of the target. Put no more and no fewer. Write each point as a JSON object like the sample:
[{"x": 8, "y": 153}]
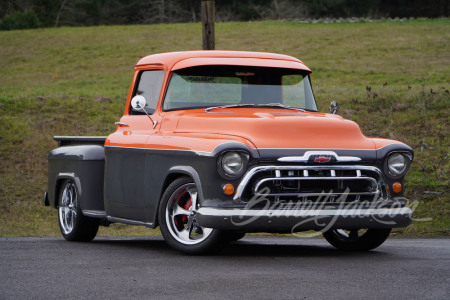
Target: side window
[{"x": 149, "y": 87}]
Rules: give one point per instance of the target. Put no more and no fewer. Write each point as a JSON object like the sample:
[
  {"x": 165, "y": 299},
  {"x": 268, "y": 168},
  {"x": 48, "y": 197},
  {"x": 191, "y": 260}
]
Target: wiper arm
[
  {"x": 281, "y": 106},
  {"x": 228, "y": 106},
  {"x": 255, "y": 105}
]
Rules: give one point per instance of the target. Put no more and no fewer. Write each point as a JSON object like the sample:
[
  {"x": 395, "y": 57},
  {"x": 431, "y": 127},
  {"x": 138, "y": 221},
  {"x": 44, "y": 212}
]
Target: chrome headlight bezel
[
  {"x": 397, "y": 163},
  {"x": 232, "y": 163}
]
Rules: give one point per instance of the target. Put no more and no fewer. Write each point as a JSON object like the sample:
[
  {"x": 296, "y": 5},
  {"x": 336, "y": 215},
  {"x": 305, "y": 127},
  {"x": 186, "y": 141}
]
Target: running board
[{"x": 101, "y": 214}]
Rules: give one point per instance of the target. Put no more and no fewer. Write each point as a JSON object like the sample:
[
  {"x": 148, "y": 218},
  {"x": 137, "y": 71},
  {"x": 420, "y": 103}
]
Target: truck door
[{"x": 126, "y": 169}]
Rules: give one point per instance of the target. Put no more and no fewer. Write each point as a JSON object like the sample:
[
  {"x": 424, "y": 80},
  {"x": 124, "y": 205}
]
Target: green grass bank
[{"x": 392, "y": 78}]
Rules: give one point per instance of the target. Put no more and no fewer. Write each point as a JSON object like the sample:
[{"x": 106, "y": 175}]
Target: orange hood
[{"x": 277, "y": 128}]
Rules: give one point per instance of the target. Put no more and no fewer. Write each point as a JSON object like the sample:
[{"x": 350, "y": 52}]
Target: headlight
[
  {"x": 232, "y": 163},
  {"x": 396, "y": 163}
]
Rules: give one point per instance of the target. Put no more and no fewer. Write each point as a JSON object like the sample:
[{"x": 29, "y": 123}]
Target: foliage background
[{"x": 51, "y": 13}]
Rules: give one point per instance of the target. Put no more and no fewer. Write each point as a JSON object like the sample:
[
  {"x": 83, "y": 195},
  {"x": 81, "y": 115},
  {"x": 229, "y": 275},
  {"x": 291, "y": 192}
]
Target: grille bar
[
  {"x": 331, "y": 178},
  {"x": 377, "y": 186}
]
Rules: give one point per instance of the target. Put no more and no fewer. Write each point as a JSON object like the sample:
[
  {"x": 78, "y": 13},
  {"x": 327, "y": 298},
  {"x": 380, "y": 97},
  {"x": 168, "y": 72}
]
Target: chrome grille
[{"x": 313, "y": 183}]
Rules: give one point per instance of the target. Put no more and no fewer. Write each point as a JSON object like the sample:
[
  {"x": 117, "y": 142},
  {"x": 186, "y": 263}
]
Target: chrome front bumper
[{"x": 303, "y": 219}]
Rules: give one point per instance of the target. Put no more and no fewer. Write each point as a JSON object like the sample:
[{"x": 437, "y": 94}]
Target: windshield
[{"x": 234, "y": 86}]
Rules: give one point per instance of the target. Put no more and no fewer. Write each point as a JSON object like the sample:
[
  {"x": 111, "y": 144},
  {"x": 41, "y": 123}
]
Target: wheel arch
[
  {"x": 61, "y": 177},
  {"x": 174, "y": 173}
]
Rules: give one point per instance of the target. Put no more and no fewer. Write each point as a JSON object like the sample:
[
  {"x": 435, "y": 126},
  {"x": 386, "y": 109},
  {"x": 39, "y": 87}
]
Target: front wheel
[
  {"x": 357, "y": 239},
  {"x": 73, "y": 224},
  {"x": 178, "y": 223}
]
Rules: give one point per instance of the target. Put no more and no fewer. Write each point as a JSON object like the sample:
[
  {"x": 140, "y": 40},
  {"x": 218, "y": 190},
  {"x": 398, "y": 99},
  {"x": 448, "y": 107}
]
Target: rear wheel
[
  {"x": 357, "y": 239},
  {"x": 73, "y": 224},
  {"x": 178, "y": 222}
]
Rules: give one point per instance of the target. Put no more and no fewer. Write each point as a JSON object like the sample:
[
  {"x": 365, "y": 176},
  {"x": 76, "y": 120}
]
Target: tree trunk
[
  {"x": 208, "y": 18},
  {"x": 59, "y": 12}
]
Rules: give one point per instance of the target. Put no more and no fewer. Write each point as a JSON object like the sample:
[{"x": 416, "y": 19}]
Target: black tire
[
  {"x": 234, "y": 236},
  {"x": 357, "y": 240},
  {"x": 73, "y": 224},
  {"x": 178, "y": 224}
]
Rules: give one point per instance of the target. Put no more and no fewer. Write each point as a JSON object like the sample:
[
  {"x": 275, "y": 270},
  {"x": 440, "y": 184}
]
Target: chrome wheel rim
[
  {"x": 180, "y": 216},
  {"x": 350, "y": 235},
  {"x": 68, "y": 207}
]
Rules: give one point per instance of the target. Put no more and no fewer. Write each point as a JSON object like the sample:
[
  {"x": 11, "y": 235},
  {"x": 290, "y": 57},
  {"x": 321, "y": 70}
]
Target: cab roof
[{"x": 186, "y": 59}]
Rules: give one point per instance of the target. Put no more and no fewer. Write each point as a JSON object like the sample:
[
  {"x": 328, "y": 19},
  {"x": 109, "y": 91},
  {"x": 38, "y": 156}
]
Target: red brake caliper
[
  {"x": 184, "y": 218},
  {"x": 188, "y": 204}
]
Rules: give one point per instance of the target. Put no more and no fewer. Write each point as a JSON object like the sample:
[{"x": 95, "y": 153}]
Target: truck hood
[{"x": 277, "y": 128}]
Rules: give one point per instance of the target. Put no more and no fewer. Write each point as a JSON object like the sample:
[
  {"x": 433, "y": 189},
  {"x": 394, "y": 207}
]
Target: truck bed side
[{"x": 81, "y": 159}]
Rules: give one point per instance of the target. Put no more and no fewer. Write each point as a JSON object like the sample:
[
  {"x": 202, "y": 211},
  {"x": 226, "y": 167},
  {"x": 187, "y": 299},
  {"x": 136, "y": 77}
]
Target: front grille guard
[{"x": 379, "y": 185}]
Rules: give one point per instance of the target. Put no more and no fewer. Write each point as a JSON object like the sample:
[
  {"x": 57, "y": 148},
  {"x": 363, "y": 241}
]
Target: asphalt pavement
[{"x": 253, "y": 268}]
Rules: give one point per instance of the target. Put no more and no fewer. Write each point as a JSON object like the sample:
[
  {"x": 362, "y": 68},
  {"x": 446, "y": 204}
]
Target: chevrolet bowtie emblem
[{"x": 322, "y": 159}]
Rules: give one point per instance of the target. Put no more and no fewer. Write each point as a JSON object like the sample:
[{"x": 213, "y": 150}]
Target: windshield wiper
[
  {"x": 228, "y": 106},
  {"x": 255, "y": 105},
  {"x": 280, "y": 106}
]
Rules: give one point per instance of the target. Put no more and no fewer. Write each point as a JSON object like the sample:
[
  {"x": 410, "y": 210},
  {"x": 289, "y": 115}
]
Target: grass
[{"x": 392, "y": 78}]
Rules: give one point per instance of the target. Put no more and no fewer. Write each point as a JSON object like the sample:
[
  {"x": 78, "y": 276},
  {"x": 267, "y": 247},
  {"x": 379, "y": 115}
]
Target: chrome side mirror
[
  {"x": 138, "y": 102},
  {"x": 334, "y": 107}
]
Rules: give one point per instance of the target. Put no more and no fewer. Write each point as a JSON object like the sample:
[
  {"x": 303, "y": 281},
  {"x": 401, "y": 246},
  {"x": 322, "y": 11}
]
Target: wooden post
[{"x": 208, "y": 18}]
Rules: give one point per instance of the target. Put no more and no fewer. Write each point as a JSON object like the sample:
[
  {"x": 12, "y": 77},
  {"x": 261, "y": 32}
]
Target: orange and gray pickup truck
[{"x": 216, "y": 144}]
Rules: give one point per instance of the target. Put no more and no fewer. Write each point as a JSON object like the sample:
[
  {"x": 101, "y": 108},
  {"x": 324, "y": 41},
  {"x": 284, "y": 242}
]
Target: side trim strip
[
  {"x": 94, "y": 213},
  {"x": 201, "y": 153},
  {"x": 207, "y": 152},
  {"x": 126, "y": 221}
]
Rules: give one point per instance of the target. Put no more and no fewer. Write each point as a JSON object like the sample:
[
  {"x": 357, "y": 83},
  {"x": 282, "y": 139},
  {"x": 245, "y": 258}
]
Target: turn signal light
[
  {"x": 397, "y": 187},
  {"x": 228, "y": 189}
]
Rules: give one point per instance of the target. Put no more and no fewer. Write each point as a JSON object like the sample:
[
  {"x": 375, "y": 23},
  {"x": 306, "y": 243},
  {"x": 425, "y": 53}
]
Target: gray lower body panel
[{"x": 301, "y": 220}]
